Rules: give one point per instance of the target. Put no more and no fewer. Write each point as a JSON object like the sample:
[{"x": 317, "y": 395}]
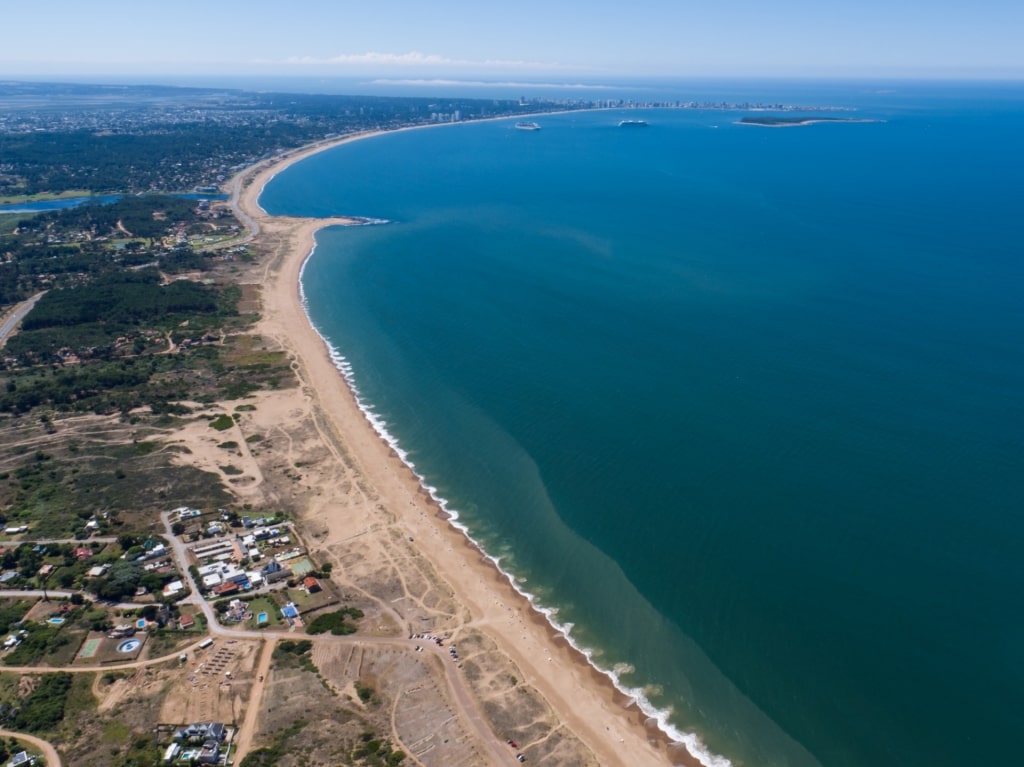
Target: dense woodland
[
  {"x": 68, "y": 247},
  {"x": 112, "y": 332},
  {"x": 147, "y": 216},
  {"x": 202, "y": 137},
  {"x": 54, "y": 162},
  {"x": 121, "y": 301}
]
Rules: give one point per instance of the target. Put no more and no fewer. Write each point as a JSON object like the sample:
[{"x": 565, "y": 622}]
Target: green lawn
[
  {"x": 265, "y": 605},
  {"x": 9, "y": 221},
  {"x": 305, "y": 601},
  {"x": 66, "y": 652},
  {"x": 44, "y": 196}
]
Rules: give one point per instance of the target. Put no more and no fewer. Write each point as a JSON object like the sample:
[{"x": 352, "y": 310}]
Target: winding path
[{"x": 49, "y": 752}]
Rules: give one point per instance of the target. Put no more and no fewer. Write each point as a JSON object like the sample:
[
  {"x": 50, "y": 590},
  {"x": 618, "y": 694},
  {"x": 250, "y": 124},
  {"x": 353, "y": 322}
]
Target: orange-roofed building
[{"x": 312, "y": 585}]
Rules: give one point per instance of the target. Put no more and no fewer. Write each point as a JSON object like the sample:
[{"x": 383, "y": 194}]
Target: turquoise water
[{"x": 742, "y": 404}]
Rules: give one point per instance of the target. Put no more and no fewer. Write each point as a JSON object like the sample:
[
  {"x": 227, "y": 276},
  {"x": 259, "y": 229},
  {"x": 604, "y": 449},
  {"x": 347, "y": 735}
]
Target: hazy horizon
[{"x": 522, "y": 42}]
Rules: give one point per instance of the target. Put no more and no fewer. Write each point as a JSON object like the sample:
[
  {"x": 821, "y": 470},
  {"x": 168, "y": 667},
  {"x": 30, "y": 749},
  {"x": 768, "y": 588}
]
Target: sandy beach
[{"x": 387, "y": 503}]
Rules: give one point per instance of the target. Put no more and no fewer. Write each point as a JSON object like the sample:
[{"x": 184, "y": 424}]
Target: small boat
[
  {"x": 633, "y": 123},
  {"x": 527, "y": 126}
]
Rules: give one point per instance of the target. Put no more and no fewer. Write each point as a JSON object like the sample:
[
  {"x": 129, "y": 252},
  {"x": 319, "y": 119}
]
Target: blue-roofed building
[
  {"x": 202, "y": 732},
  {"x": 21, "y": 758}
]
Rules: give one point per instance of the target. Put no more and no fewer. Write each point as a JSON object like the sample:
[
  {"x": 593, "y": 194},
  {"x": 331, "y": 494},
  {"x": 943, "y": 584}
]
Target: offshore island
[{"x": 776, "y": 121}]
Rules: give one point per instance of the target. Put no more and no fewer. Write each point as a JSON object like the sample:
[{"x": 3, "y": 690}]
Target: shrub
[
  {"x": 222, "y": 422},
  {"x": 334, "y": 622},
  {"x": 44, "y": 707}
]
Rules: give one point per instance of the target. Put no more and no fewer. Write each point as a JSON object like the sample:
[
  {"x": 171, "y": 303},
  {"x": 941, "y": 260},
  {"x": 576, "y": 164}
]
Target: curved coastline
[
  {"x": 869, "y": 735},
  {"x": 635, "y": 695},
  {"x": 626, "y": 713}
]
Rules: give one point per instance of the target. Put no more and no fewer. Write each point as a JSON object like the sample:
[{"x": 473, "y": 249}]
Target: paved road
[
  {"x": 61, "y": 594},
  {"x": 17, "y": 315},
  {"x": 49, "y": 752},
  {"x": 55, "y": 541},
  {"x": 181, "y": 557},
  {"x": 237, "y": 185},
  {"x": 236, "y": 192}
]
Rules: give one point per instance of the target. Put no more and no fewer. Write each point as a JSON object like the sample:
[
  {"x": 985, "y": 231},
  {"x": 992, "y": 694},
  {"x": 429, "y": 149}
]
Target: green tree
[{"x": 120, "y": 581}]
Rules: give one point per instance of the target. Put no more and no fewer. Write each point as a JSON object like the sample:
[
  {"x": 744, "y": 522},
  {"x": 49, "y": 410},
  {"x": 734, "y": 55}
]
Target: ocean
[{"x": 739, "y": 407}]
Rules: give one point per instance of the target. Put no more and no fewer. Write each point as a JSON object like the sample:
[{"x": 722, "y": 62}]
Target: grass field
[
  {"x": 306, "y": 601},
  {"x": 44, "y": 196},
  {"x": 265, "y": 605},
  {"x": 9, "y": 221}
]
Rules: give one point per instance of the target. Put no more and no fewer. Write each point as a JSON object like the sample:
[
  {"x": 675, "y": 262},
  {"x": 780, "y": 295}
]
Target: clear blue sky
[{"x": 521, "y": 39}]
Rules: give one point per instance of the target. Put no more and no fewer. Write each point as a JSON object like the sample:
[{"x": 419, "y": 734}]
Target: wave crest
[{"x": 690, "y": 741}]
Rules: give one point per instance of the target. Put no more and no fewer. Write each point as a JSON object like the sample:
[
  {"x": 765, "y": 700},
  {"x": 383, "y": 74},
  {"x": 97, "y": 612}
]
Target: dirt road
[
  {"x": 245, "y": 733},
  {"x": 49, "y": 752}
]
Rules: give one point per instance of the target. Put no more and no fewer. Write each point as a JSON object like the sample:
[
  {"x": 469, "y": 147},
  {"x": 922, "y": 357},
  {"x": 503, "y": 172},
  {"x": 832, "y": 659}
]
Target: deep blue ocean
[{"x": 743, "y": 407}]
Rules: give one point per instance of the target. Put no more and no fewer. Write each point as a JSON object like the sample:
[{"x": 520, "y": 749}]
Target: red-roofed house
[
  {"x": 83, "y": 553},
  {"x": 227, "y": 587},
  {"x": 311, "y": 584},
  {"x": 186, "y": 621}
]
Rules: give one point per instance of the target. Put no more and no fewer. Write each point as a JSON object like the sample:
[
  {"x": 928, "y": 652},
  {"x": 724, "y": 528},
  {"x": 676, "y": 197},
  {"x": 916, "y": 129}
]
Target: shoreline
[{"x": 584, "y": 697}]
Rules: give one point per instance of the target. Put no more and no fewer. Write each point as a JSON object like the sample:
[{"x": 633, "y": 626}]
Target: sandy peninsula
[{"x": 364, "y": 505}]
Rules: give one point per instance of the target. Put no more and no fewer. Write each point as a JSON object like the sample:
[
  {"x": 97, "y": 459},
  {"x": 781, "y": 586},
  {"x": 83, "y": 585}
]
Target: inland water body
[{"x": 740, "y": 407}]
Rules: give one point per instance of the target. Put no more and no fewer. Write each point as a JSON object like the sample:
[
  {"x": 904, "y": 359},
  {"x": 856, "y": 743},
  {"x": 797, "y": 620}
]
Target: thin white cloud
[
  {"x": 493, "y": 84},
  {"x": 425, "y": 60}
]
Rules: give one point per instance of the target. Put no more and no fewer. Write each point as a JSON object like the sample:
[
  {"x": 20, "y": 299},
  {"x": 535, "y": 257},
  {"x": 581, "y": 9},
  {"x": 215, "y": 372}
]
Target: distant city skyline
[{"x": 522, "y": 41}]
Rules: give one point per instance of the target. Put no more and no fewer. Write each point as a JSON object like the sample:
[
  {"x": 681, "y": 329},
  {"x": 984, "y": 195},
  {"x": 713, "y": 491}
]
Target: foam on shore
[{"x": 690, "y": 741}]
